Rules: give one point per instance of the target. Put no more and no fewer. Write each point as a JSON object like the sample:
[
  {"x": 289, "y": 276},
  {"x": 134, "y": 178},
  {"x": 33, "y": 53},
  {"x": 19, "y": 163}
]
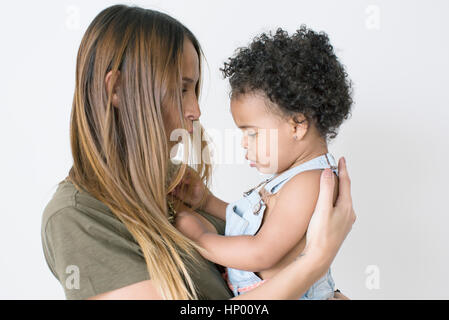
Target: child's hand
[
  {"x": 189, "y": 225},
  {"x": 198, "y": 189}
]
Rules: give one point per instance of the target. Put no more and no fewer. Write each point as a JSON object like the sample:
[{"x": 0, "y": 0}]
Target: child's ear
[
  {"x": 299, "y": 125},
  {"x": 113, "y": 79}
]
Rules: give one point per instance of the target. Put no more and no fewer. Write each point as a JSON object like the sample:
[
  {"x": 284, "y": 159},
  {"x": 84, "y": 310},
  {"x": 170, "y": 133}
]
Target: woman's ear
[
  {"x": 299, "y": 125},
  {"x": 112, "y": 81}
]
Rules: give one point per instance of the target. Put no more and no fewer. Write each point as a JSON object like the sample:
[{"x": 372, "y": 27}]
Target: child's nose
[{"x": 244, "y": 141}]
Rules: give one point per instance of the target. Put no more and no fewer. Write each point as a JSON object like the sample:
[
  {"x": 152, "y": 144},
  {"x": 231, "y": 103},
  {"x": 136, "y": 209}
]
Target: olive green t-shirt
[{"x": 90, "y": 251}]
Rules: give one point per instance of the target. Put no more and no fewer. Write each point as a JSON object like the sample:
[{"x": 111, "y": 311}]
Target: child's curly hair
[{"x": 298, "y": 73}]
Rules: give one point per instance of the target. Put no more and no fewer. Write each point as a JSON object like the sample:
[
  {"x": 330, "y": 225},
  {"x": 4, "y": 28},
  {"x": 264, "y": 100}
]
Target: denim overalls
[{"x": 244, "y": 217}]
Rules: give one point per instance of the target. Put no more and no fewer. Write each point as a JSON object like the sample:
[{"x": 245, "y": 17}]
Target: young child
[{"x": 291, "y": 90}]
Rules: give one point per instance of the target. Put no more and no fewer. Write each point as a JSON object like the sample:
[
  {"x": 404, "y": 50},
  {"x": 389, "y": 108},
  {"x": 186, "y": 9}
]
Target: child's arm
[
  {"x": 232, "y": 251},
  {"x": 283, "y": 228}
]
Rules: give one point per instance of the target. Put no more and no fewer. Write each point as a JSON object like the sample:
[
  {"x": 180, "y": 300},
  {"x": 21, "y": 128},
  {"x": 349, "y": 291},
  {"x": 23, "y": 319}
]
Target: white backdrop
[{"x": 396, "y": 146}]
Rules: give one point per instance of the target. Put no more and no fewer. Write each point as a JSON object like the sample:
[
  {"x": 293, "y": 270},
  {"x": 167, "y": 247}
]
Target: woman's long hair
[{"x": 121, "y": 154}]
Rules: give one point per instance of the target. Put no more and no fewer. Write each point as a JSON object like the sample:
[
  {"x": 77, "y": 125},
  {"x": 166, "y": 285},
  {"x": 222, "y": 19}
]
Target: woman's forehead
[{"x": 190, "y": 62}]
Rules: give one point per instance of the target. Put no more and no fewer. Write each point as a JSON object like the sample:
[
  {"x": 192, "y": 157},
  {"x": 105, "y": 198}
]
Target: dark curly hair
[{"x": 298, "y": 73}]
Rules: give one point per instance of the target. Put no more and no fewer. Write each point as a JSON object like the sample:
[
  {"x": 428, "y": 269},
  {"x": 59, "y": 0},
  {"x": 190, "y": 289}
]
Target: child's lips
[{"x": 251, "y": 163}]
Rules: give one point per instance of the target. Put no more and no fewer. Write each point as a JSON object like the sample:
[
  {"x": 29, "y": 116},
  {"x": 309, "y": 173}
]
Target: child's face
[{"x": 267, "y": 137}]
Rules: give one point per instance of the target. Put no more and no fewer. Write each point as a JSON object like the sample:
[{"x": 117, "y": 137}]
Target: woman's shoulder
[
  {"x": 63, "y": 197},
  {"x": 80, "y": 233},
  {"x": 68, "y": 198},
  {"x": 77, "y": 208}
]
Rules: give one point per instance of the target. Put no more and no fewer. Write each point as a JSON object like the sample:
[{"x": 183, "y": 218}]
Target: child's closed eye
[{"x": 251, "y": 133}]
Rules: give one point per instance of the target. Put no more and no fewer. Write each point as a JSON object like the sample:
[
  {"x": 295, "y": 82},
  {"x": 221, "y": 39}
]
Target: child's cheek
[
  {"x": 268, "y": 150},
  {"x": 252, "y": 149}
]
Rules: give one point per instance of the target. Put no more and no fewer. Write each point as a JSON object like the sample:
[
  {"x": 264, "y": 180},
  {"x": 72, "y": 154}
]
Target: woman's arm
[
  {"x": 327, "y": 230},
  {"x": 292, "y": 281},
  {"x": 143, "y": 290}
]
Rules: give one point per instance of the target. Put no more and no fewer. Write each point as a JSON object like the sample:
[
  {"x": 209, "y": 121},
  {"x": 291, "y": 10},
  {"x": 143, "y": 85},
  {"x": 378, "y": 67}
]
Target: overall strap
[{"x": 322, "y": 162}]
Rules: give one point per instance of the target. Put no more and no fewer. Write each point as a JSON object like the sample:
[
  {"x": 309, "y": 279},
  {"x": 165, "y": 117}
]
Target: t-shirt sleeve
[
  {"x": 220, "y": 226},
  {"x": 218, "y": 223},
  {"x": 89, "y": 255}
]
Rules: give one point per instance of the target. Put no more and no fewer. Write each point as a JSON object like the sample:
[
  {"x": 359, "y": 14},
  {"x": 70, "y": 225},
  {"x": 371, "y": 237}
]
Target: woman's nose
[{"x": 192, "y": 113}]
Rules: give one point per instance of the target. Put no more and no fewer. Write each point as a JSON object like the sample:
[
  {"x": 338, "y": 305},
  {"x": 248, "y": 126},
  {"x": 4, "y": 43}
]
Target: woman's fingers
[
  {"x": 339, "y": 296},
  {"x": 344, "y": 193},
  {"x": 330, "y": 225},
  {"x": 325, "y": 197}
]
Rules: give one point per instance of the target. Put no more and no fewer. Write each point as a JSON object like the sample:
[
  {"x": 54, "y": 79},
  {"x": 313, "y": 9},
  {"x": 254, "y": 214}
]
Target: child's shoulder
[
  {"x": 305, "y": 186},
  {"x": 307, "y": 181}
]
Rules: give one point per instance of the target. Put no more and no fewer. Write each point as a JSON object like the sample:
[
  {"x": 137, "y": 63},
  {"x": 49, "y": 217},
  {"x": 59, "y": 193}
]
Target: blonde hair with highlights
[{"x": 121, "y": 155}]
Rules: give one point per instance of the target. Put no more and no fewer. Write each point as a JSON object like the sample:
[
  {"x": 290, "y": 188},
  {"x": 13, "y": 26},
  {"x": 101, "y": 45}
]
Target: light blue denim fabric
[{"x": 244, "y": 217}]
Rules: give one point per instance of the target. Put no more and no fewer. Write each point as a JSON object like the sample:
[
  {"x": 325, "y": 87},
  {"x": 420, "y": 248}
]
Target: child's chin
[{"x": 266, "y": 169}]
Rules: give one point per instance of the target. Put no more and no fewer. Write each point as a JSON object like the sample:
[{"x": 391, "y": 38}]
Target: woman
[{"x": 108, "y": 233}]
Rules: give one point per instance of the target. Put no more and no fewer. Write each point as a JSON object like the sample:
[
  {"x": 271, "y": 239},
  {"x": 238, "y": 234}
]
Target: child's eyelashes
[{"x": 251, "y": 133}]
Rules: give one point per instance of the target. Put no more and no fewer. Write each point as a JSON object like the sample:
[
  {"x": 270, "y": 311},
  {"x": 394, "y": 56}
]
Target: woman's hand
[
  {"x": 339, "y": 296},
  {"x": 189, "y": 225},
  {"x": 330, "y": 225},
  {"x": 199, "y": 196},
  {"x": 198, "y": 190}
]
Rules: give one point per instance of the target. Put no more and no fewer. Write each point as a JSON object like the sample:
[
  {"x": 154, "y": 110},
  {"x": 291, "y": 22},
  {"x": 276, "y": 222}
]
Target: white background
[{"x": 396, "y": 146}]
